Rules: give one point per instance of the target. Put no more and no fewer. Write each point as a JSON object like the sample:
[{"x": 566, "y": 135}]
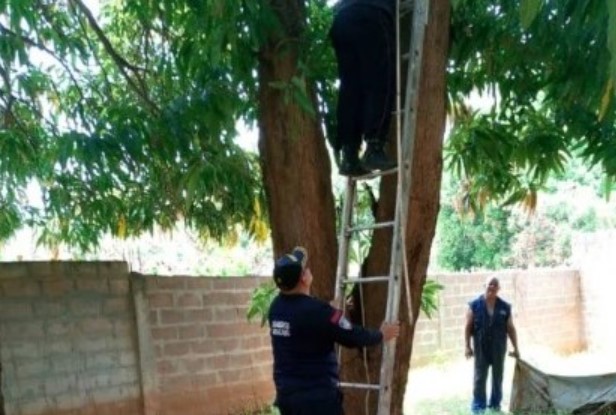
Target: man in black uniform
[
  {"x": 303, "y": 332},
  {"x": 363, "y": 36}
]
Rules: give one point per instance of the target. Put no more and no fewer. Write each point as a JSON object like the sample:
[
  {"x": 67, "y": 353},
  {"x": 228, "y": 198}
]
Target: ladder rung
[
  {"x": 359, "y": 385},
  {"x": 372, "y": 226},
  {"x": 364, "y": 279},
  {"x": 375, "y": 174}
]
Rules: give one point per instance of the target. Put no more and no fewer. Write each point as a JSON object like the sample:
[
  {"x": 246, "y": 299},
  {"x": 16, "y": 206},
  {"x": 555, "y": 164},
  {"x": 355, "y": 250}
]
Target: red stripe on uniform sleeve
[{"x": 335, "y": 318}]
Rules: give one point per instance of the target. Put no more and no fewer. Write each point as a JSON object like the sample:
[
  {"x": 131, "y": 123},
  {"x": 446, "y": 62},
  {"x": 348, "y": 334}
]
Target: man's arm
[
  {"x": 513, "y": 336},
  {"x": 349, "y": 335},
  {"x": 468, "y": 331}
]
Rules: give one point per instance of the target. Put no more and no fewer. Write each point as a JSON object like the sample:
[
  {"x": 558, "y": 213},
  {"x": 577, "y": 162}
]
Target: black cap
[{"x": 288, "y": 268}]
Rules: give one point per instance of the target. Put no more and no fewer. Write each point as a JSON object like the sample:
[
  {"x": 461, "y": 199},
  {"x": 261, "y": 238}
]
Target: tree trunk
[
  {"x": 423, "y": 211},
  {"x": 294, "y": 159},
  {"x": 2, "y": 412}
]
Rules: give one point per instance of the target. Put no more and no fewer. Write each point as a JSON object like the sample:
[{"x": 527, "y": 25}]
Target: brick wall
[
  {"x": 546, "y": 311},
  {"x": 67, "y": 339},
  {"x": 87, "y": 338},
  {"x": 207, "y": 358},
  {"x": 594, "y": 254}
]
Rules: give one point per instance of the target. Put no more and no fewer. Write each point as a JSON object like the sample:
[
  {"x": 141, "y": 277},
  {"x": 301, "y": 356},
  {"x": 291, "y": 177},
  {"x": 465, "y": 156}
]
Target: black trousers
[
  {"x": 311, "y": 402},
  {"x": 364, "y": 41}
]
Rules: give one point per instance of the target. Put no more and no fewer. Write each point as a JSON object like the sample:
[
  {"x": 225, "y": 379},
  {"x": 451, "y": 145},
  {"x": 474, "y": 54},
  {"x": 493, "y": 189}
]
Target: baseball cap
[{"x": 289, "y": 267}]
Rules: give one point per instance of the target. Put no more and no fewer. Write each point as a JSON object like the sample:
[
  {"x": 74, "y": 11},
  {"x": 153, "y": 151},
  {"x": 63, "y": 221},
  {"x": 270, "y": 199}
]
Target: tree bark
[
  {"x": 423, "y": 212},
  {"x": 294, "y": 159},
  {"x": 2, "y": 412}
]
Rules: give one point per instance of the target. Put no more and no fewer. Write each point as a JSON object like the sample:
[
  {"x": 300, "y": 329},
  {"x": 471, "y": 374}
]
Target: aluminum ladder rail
[{"x": 406, "y": 121}]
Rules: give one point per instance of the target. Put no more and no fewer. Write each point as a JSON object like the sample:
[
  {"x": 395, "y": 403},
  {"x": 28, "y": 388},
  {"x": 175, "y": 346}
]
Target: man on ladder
[
  {"x": 363, "y": 36},
  {"x": 366, "y": 37}
]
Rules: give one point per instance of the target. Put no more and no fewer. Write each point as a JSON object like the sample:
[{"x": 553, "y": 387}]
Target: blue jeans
[{"x": 482, "y": 364}]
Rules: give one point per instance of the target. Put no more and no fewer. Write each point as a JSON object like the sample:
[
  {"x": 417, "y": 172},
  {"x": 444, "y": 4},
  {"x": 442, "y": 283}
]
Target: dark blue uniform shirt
[
  {"x": 303, "y": 331},
  {"x": 490, "y": 332}
]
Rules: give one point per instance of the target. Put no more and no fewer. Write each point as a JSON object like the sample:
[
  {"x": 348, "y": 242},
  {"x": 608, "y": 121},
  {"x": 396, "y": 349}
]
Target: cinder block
[
  {"x": 230, "y": 345},
  {"x": 176, "y": 349},
  {"x": 27, "y": 288},
  {"x": 189, "y": 300},
  {"x": 83, "y": 306},
  {"x": 171, "y": 283},
  {"x": 192, "y": 365},
  {"x": 199, "y": 284},
  {"x": 171, "y": 316},
  {"x": 113, "y": 269},
  {"x": 193, "y": 331},
  {"x": 15, "y": 310},
  {"x": 32, "y": 369},
  {"x": 127, "y": 358},
  {"x": 44, "y": 269},
  {"x": 59, "y": 385},
  {"x": 58, "y": 287},
  {"x": 230, "y": 376},
  {"x": 52, "y": 348},
  {"x": 204, "y": 347},
  {"x": 93, "y": 325},
  {"x": 221, "y": 331},
  {"x": 118, "y": 305},
  {"x": 101, "y": 361},
  {"x": 24, "y": 330},
  {"x": 119, "y": 287},
  {"x": 202, "y": 315},
  {"x": 23, "y": 350},
  {"x": 49, "y": 309},
  {"x": 167, "y": 367},
  {"x": 92, "y": 285},
  {"x": 56, "y": 329},
  {"x": 160, "y": 300},
  {"x": 12, "y": 270},
  {"x": 165, "y": 333}
]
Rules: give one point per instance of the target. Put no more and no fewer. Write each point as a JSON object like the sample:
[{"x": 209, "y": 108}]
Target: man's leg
[
  {"x": 479, "y": 384},
  {"x": 378, "y": 83},
  {"x": 496, "y": 395},
  {"x": 343, "y": 35}
]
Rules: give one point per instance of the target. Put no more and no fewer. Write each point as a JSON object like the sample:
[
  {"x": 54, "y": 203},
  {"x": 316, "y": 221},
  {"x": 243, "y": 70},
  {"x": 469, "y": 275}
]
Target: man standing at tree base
[{"x": 304, "y": 330}]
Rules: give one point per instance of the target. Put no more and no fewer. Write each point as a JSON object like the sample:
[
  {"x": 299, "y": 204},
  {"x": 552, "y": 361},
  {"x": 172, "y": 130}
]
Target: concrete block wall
[
  {"x": 595, "y": 256},
  {"x": 90, "y": 338},
  {"x": 67, "y": 339},
  {"x": 546, "y": 310},
  {"x": 207, "y": 359}
]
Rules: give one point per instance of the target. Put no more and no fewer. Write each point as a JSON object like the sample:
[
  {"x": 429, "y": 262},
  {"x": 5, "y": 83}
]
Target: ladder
[{"x": 405, "y": 136}]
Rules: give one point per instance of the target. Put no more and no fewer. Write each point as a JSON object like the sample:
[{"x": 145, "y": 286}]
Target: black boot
[
  {"x": 375, "y": 158},
  {"x": 350, "y": 164}
]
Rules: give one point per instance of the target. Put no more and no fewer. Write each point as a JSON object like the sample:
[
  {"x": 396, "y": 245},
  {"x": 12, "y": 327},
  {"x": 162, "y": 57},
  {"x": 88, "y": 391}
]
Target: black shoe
[
  {"x": 375, "y": 158},
  {"x": 350, "y": 164}
]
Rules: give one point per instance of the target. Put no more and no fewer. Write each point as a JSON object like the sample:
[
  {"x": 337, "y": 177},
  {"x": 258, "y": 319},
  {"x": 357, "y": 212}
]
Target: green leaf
[
  {"x": 611, "y": 36},
  {"x": 528, "y": 11}
]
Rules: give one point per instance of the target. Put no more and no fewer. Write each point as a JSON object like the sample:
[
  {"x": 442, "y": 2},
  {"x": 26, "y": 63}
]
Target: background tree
[{"x": 535, "y": 58}]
